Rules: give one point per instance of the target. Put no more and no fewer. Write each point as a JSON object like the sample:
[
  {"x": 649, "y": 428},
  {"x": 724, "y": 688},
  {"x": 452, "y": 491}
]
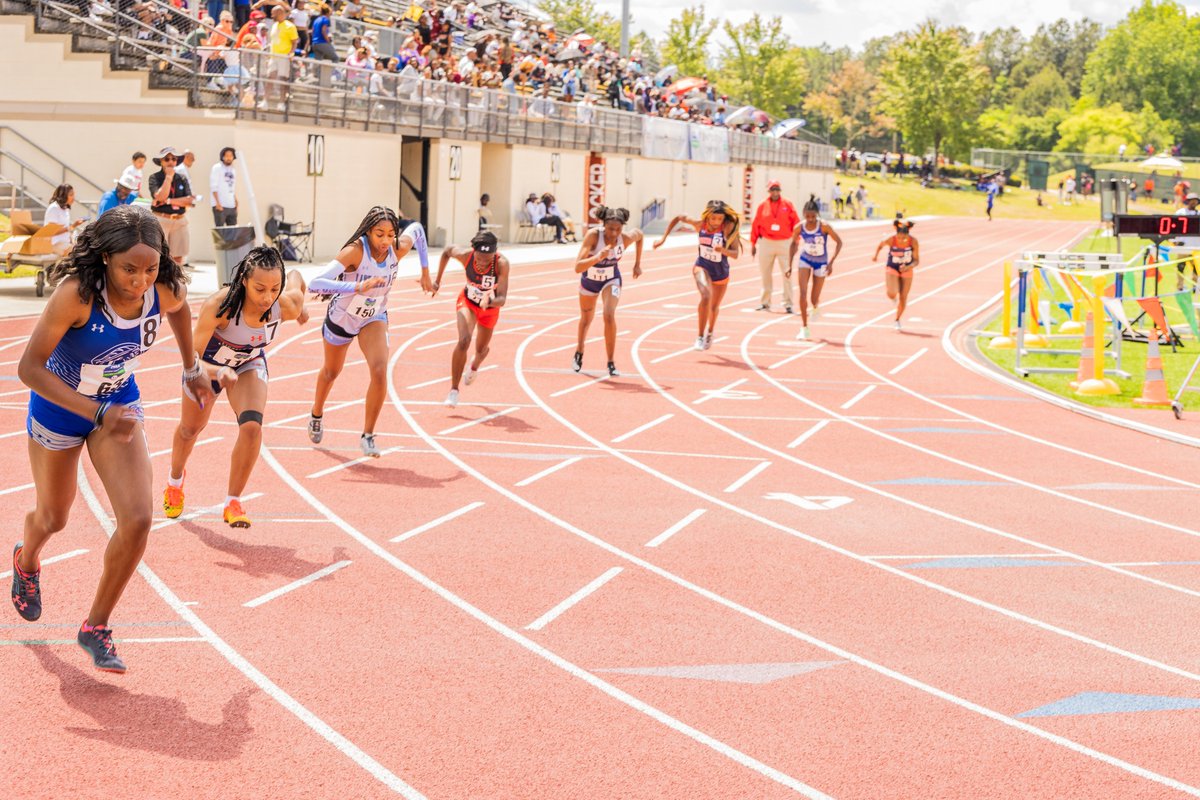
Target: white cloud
[{"x": 852, "y": 22}]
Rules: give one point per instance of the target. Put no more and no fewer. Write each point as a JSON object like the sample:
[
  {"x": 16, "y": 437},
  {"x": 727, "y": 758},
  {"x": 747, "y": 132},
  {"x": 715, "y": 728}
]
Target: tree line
[{"x": 1068, "y": 87}]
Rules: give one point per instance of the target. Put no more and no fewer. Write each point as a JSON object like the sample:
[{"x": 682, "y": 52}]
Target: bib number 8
[{"x": 149, "y": 331}]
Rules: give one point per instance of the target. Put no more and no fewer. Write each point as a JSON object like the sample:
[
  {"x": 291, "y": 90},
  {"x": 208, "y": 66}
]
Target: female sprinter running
[
  {"x": 359, "y": 279},
  {"x": 236, "y": 324},
  {"x": 903, "y": 255},
  {"x": 478, "y": 305},
  {"x": 720, "y": 240},
  {"x": 811, "y": 237},
  {"x": 116, "y": 285},
  {"x": 598, "y": 265}
]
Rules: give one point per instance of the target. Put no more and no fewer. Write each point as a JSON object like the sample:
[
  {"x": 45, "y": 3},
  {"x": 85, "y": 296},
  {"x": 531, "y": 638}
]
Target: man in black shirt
[{"x": 171, "y": 196}]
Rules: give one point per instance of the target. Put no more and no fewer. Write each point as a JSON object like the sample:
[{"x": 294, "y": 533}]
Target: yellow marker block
[
  {"x": 1005, "y": 341},
  {"x": 1098, "y": 385}
]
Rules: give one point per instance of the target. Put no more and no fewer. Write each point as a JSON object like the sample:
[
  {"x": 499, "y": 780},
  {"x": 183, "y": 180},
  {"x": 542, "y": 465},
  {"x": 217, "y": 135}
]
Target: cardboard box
[{"x": 28, "y": 238}]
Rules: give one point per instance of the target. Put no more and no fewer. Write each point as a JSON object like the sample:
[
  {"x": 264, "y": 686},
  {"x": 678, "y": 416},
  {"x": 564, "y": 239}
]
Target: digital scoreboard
[{"x": 1156, "y": 226}]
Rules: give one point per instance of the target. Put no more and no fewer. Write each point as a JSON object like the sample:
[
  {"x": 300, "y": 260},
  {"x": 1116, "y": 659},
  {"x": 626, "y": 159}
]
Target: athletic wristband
[
  {"x": 194, "y": 372},
  {"x": 98, "y": 418}
]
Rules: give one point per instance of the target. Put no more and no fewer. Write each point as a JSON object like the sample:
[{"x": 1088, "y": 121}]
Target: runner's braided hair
[
  {"x": 375, "y": 216},
  {"x": 608, "y": 214},
  {"x": 116, "y": 231},
  {"x": 812, "y": 205},
  {"x": 261, "y": 257},
  {"x": 733, "y": 240}
]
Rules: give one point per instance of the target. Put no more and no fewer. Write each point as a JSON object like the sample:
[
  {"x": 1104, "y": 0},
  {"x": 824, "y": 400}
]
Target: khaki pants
[
  {"x": 770, "y": 251},
  {"x": 176, "y": 231}
]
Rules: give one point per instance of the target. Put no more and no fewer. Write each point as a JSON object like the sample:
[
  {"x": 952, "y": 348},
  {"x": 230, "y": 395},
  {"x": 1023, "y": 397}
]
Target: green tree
[
  {"x": 1060, "y": 44},
  {"x": 875, "y": 51},
  {"x": 847, "y": 103},
  {"x": 686, "y": 42},
  {"x": 1047, "y": 90},
  {"x": 570, "y": 15},
  {"x": 1004, "y": 128},
  {"x": 1150, "y": 57},
  {"x": 1000, "y": 51},
  {"x": 1092, "y": 128},
  {"x": 760, "y": 66},
  {"x": 933, "y": 86}
]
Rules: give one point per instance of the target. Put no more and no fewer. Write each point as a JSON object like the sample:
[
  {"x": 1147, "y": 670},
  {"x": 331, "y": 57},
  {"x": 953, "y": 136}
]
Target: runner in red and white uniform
[
  {"x": 478, "y": 304},
  {"x": 903, "y": 256}
]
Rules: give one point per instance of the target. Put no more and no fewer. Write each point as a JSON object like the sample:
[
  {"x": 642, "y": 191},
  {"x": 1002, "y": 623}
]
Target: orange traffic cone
[
  {"x": 1154, "y": 389},
  {"x": 1087, "y": 365}
]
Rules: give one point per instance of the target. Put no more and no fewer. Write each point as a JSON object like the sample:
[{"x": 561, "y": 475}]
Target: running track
[{"x": 848, "y": 567}]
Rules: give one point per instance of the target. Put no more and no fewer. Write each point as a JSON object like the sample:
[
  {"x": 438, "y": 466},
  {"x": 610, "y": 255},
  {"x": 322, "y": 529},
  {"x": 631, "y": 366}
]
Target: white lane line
[
  {"x": 51, "y": 560},
  {"x": 854, "y": 400},
  {"x": 305, "y": 415},
  {"x": 965, "y": 555},
  {"x": 549, "y": 471},
  {"x": 444, "y": 379},
  {"x": 676, "y": 528},
  {"x": 908, "y": 361},
  {"x": 121, "y": 639},
  {"x": 296, "y": 584},
  {"x": 167, "y": 452},
  {"x": 794, "y": 356},
  {"x": 273, "y": 690},
  {"x": 481, "y": 420},
  {"x": 416, "y": 324},
  {"x": 586, "y": 342},
  {"x": 353, "y": 462},
  {"x": 749, "y": 476},
  {"x": 515, "y": 330},
  {"x": 290, "y": 375},
  {"x": 558, "y": 610},
  {"x": 200, "y": 512},
  {"x": 439, "y": 521},
  {"x": 709, "y": 394},
  {"x": 642, "y": 428},
  {"x": 21, "y": 488},
  {"x": 802, "y": 438},
  {"x": 21, "y": 432},
  {"x": 577, "y": 386},
  {"x": 717, "y": 340},
  {"x": 437, "y": 344}
]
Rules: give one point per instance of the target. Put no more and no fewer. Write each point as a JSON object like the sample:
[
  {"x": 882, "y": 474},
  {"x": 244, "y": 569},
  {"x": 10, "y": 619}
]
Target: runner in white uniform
[
  {"x": 235, "y": 325},
  {"x": 359, "y": 280},
  {"x": 811, "y": 238},
  {"x": 599, "y": 268}
]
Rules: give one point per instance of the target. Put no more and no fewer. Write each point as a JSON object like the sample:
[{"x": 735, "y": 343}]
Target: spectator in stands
[
  {"x": 538, "y": 216},
  {"x": 120, "y": 195},
  {"x": 171, "y": 197},
  {"x": 284, "y": 37},
  {"x": 553, "y": 210},
  {"x": 222, "y": 182},
  {"x": 248, "y": 29},
  {"x": 59, "y": 212},
  {"x": 300, "y": 16},
  {"x": 770, "y": 241},
  {"x": 322, "y": 45},
  {"x": 241, "y": 12},
  {"x": 133, "y": 173}
]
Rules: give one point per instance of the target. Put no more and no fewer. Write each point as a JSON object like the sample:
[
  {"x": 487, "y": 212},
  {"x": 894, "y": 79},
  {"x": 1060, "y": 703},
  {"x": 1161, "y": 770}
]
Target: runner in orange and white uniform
[
  {"x": 903, "y": 256},
  {"x": 478, "y": 304}
]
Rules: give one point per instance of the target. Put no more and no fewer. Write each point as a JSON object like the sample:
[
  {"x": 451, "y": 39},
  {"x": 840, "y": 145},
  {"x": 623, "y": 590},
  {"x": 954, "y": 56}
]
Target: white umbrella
[
  {"x": 666, "y": 72},
  {"x": 1163, "y": 161}
]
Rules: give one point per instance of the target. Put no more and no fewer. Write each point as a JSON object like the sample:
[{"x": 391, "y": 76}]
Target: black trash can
[{"x": 232, "y": 243}]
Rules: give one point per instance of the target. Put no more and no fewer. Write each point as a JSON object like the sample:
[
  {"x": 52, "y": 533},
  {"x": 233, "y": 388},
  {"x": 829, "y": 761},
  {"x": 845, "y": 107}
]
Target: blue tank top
[
  {"x": 814, "y": 246},
  {"x": 98, "y": 360},
  {"x": 708, "y": 256}
]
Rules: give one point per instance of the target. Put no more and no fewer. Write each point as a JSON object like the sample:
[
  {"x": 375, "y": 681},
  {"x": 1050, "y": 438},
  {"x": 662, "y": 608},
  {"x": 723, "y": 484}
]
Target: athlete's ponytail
[
  {"x": 375, "y": 216},
  {"x": 812, "y": 205},
  {"x": 261, "y": 257},
  {"x": 609, "y": 214},
  {"x": 733, "y": 240}
]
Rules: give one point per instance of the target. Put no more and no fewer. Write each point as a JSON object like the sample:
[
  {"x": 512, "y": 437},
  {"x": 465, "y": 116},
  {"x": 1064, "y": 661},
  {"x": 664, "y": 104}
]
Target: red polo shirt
[{"x": 774, "y": 220}]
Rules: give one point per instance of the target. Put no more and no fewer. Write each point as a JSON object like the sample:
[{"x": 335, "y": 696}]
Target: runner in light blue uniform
[
  {"x": 599, "y": 268},
  {"x": 811, "y": 238},
  {"x": 114, "y": 289}
]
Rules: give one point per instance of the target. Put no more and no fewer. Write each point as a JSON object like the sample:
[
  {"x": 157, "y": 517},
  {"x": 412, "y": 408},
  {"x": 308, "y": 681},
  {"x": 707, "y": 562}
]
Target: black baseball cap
[{"x": 485, "y": 242}]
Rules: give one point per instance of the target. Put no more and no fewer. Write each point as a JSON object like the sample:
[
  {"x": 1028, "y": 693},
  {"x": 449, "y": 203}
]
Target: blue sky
[{"x": 852, "y": 22}]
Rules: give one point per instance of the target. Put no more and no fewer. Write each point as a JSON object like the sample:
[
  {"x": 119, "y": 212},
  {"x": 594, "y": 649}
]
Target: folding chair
[{"x": 293, "y": 240}]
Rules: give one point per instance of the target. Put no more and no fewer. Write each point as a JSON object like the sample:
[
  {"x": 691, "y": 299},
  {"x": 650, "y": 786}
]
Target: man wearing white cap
[
  {"x": 170, "y": 198},
  {"x": 120, "y": 195},
  {"x": 1191, "y": 208},
  {"x": 770, "y": 241}
]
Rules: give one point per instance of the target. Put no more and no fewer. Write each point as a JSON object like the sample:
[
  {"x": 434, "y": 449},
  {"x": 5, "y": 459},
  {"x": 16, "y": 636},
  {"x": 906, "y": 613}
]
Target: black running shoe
[
  {"x": 98, "y": 641},
  {"x": 612, "y": 370},
  {"x": 578, "y": 361},
  {"x": 26, "y": 589}
]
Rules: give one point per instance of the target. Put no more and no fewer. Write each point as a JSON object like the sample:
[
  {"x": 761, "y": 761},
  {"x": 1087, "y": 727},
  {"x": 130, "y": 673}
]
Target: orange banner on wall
[{"x": 594, "y": 184}]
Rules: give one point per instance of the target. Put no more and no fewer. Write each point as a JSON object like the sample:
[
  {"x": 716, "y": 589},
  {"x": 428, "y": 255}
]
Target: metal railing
[
  {"x": 252, "y": 84},
  {"x": 32, "y": 180}
]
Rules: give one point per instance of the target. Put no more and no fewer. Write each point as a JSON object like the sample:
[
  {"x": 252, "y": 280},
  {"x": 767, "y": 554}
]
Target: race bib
[
  {"x": 102, "y": 380},
  {"x": 228, "y": 357},
  {"x": 709, "y": 254},
  {"x": 814, "y": 248},
  {"x": 364, "y": 307},
  {"x": 601, "y": 273},
  {"x": 476, "y": 295}
]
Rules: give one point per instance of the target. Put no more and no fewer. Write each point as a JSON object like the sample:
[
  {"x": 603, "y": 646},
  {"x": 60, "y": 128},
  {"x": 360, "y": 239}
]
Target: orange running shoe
[
  {"x": 173, "y": 501},
  {"x": 235, "y": 517}
]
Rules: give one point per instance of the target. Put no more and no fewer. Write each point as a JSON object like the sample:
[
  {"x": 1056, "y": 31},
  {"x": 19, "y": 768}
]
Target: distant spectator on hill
[{"x": 1069, "y": 189}]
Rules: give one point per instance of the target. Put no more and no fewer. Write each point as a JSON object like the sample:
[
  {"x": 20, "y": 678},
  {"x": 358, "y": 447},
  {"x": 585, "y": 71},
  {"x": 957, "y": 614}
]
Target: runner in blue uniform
[
  {"x": 599, "y": 268},
  {"x": 359, "y": 280},
  {"x": 236, "y": 324},
  {"x": 114, "y": 288},
  {"x": 811, "y": 237},
  {"x": 720, "y": 238}
]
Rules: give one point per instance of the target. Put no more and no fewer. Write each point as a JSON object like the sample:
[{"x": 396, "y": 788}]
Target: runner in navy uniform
[
  {"x": 114, "y": 288},
  {"x": 903, "y": 255},
  {"x": 811, "y": 238},
  {"x": 599, "y": 268},
  {"x": 478, "y": 305},
  {"x": 237, "y": 324},
  {"x": 719, "y": 237}
]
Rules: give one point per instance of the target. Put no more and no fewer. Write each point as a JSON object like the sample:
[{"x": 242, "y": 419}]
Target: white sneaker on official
[
  {"x": 452, "y": 398},
  {"x": 708, "y": 340},
  {"x": 699, "y": 345},
  {"x": 469, "y": 378}
]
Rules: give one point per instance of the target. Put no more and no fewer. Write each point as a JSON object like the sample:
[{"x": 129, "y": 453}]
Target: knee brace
[{"x": 250, "y": 416}]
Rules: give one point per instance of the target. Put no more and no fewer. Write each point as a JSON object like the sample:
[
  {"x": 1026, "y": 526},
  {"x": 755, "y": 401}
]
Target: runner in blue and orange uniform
[
  {"x": 114, "y": 289},
  {"x": 599, "y": 268},
  {"x": 478, "y": 305},
  {"x": 903, "y": 256},
  {"x": 720, "y": 239},
  {"x": 811, "y": 238}
]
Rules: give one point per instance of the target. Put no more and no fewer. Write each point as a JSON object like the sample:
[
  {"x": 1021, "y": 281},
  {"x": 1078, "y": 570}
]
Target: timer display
[{"x": 1156, "y": 226}]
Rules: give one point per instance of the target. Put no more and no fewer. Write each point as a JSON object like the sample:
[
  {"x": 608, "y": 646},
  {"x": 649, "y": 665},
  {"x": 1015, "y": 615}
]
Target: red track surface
[{"x": 415, "y": 669}]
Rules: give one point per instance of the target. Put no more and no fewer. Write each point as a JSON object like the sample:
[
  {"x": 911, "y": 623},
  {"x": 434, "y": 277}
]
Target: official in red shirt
[{"x": 770, "y": 237}]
